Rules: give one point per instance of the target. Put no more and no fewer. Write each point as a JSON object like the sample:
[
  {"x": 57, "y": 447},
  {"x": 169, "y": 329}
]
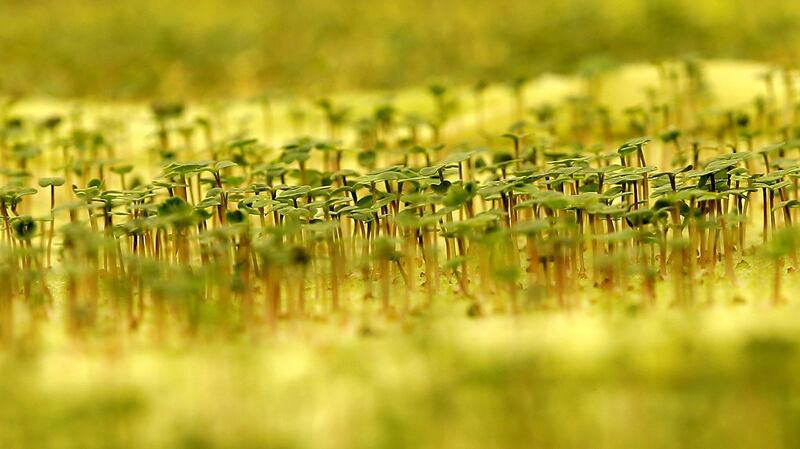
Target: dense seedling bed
[
  {"x": 554, "y": 262},
  {"x": 383, "y": 215}
]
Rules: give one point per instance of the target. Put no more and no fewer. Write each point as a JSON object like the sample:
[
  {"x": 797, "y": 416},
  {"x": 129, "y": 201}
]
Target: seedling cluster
[{"x": 387, "y": 215}]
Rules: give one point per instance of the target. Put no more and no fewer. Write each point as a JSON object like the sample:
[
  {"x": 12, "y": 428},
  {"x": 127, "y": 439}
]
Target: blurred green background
[{"x": 146, "y": 48}]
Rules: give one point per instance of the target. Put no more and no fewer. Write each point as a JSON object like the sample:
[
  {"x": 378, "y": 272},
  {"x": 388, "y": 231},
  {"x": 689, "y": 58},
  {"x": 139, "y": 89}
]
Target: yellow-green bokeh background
[{"x": 201, "y": 48}]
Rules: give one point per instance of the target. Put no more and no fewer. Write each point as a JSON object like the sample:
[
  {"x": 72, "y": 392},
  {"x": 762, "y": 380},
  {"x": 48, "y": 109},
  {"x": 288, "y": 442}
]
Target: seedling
[{"x": 379, "y": 212}]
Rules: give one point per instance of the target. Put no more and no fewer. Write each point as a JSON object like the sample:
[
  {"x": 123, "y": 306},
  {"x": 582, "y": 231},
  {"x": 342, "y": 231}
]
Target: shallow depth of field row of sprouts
[
  {"x": 501, "y": 247},
  {"x": 215, "y": 226}
]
